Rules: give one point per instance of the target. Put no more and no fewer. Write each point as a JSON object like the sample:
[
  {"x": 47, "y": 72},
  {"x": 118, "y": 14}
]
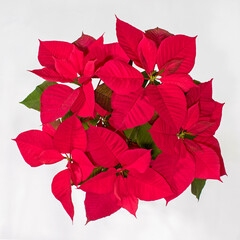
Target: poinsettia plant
[{"x": 146, "y": 132}]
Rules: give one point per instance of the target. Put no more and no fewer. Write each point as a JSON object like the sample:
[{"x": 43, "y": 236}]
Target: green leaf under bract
[
  {"x": 143, "y": 138},
  {"x": 94, "y": 173},
  {"x": 33, "y": 99},
  {"x": 67, "y": 115},
  {"x": 197, "y": 187},
  {"x": 93, "y": 121},
  {"x": 196, "y": 82}
]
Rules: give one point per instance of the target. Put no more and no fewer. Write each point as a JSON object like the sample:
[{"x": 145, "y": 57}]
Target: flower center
[
  {"x": 124, "y": 172},
  {"x": 120, "y": 171},
  {"x": 183, "y": 134}
]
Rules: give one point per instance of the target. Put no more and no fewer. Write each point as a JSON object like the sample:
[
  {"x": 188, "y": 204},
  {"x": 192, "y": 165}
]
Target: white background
[{"x": 28, "y": 209}]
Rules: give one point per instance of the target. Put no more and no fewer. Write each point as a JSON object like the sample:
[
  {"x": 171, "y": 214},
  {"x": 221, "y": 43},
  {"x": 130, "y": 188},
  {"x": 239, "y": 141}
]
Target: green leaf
[
  {"x": 197, "y": 187},
  {"x": 196, "y": 82},
  {"x": 85, "y": 125},
  {"x": 94, "y": 121},
  {"x": 145, "y": 75},
  {"x": 189, "y": 136},
  {"x": 33, "y": 99},
  {"x": 143, "y": 138},
  {"x": 67, "y": 115},
  {"x": 131, "y": 134},
  {"x": 145, "y": 83},
  {"x": 94, "y": 173}
]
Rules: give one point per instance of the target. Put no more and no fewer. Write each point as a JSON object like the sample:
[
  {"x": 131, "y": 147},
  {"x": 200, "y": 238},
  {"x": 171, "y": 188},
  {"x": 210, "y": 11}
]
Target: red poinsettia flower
[
  {"x": 72, "y": 63},
  {"x": 136, "y": 106},
  {"x": 172, "y": 53},
  {"x": 192, "y": 151},
  {"x": 127, "y": 179},
  {"x": 50, "y": 146}
]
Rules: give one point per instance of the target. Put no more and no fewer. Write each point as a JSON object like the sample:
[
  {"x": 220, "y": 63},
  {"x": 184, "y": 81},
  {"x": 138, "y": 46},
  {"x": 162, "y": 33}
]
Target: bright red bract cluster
[{"x": 105, "y": 134}]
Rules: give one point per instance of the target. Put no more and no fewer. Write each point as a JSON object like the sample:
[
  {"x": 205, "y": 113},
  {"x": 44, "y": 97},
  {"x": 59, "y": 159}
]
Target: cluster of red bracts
[{"x": 100, "y": 159}]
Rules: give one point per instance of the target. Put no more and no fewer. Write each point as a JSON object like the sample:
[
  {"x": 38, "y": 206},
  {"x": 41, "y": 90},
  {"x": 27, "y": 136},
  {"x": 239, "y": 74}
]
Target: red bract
[
  {"x": 120, "y": 76},
  {"x": 177, "y": 168},
  {"x": 61, "y": 189},
  {"x": 169, "y": 101},
  {"x": 130, "y": 110},
  {"x": 37, "y": 148},
  {"x": 104, "y": 146}
]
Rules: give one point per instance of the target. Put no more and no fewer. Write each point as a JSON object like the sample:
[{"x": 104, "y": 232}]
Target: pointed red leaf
[
  {"x": 207, "y": 163},
  {"x": 169, "y": 102},
  {"x": 128, "y": 201},
  {"x": 79, "y": 102},
  {"x": 130, "y": 110},
  {"x": 120, "y": 76},
  {"x": 157, "y": 35},
  {"x": 212, "y": 142},
  {"x": 207, "y": 107},
  {"x": 50, "y": 156},
  {"x": 100, "y": 205},
  {"x": 86, "y": 108},
  {"x": 184, "y": 81},
  {"x": 192, "y": 117},
  {"x": 89, "y": 70},
  {"x": 32, "y": 144},
  {"x": 206, "y": 90},
  {"x": 102, "y": 183},
  {"x": 53, "y": 49},
  {"x": 84, "y": 42},
  {"x": 129, "y": 38},
  {"x": 76, "y": 59},
  {"x": 66, "y": 69},
  {"x": 50, "y": 75},
  {"x": 105, "y": 146},
  {"x": 191, "y": 145},
  {"x": 137, "y": 159},
  {"x": 113, "y": 50},
  {"x": 56, "y": 101},
  {"x": 178, "y": 168},
  {"x": 92, "y": 47},
  {"x": 193, "y": 96},
  {"x": 106, "y": 52},
  {"x": 171, "y": 66},
  {"x": 81, "y": 168},
  {"x": 164, "y": 136},
  {"x": 214, "y": 120},
  {"x": 201, "y": 128},
  {"x": 70, "y": 135},
  {"x": 147, "y": 53},
  {"x": 148, "y": 186},
  {"x": 177, "y": 47},
  {"x": 61, "y": 189},
  {"x": 49, "y": 129}
]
